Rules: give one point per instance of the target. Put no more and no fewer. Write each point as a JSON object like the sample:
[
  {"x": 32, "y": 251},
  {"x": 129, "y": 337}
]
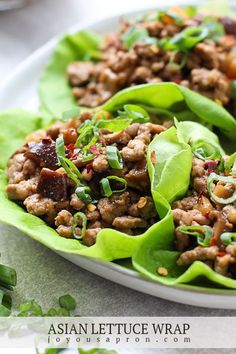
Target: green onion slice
[
  {"x": 137, "y": 35},
  {"x": 230, "y": 164},
  {"x": 83, "y": 194},
  {"x": 228, "y": 238},
  {"x": 185, "y": 40},
  {"x": 76, "y": 217},
  {"x": 210, "y": 186},
  {"x": 114, "y": 125},
  {"x": 106, "y": 187},
  {"x": 114, "y": 157},
  {"x": 206, "y": 151},
  {"x": 70, "y": 168},
  {"x": 203, "y": 233},
  {"x": 67, "y": 302},
  {"x": 8, "y": 277}
]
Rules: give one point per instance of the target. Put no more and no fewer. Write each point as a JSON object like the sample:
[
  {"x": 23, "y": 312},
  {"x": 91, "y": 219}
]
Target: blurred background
[{"x": 24, "y": 30}]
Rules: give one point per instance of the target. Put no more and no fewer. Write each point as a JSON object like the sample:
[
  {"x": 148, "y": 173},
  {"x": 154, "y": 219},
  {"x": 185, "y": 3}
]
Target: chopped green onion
[
  {"x": 214, "y": 27},
  {"x": 60, "y": 147},
  {"x": 203, "y": 233},
  {"x": 83, "y": 194},
  {"x": 72, "y": 113},
  {"x": 206, "y": 151},
  {"x": 114, "y": 125},
  {"x": 6, "y": 300},
  {"x": 114, "y": 158},
  {"x": 30, "y": 309},
  {"x": 93, "y": 141},
  {"x": 69, "y": 167},
  {"x": 106, "y": 187},
  {"x": 228, "y": 238},
  {"x": 230, "y": 164},
  {"x": 76, "y": 217},
  {"x": 210, "y": 186},
  {"x": 7, "y": 275},
  {"x": 137, "y": 35},
  {"x": 136, "y": 113},
  {"x": 67, "y": 302},
  {"x": 185, "y": 40},
  {"x": 4, "y": 311},
  {"x": 85, "y": 136}
]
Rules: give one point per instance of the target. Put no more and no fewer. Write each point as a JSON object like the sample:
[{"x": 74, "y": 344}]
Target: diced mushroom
[
  {"x": 52, "y": 185},
  {"x": 44, "y": 153}
]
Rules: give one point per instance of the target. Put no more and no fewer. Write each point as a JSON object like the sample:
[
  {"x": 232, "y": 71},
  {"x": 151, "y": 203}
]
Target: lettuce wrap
[
  {"x": 122, "y": 245},
  {"x": 56, "y": 93},
  {"x": 161, "y": 251},
  {"x": 169, "y": 178}
]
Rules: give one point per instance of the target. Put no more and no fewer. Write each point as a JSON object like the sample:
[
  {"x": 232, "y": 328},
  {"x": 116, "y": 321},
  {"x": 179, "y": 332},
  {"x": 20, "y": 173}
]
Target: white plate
[{"x": 20, "y": 90}]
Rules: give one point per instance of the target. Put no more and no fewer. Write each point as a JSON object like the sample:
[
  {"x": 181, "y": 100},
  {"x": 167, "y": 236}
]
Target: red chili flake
[
  {"x": 213, "y": 241},
  {"x": 71, "y": 148},
  {"x": 211, "y": 166},
  {"x": 177, "y": 81},
  {"x": 94, "y": 150},
  {"x": 89, "y": 167},
  {"x": 221, "y": 253}
]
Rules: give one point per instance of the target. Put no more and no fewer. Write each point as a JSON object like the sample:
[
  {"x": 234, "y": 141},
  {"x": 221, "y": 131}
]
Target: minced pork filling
[{"x": 80, "y": 178}]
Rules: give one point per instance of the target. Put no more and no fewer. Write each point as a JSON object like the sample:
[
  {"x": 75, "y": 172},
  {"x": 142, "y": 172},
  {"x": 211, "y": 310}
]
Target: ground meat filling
[
  {"x": 45, "y": 189},
  {"x": 208, "y": 67},
  {"x": 200, "y": 209}
]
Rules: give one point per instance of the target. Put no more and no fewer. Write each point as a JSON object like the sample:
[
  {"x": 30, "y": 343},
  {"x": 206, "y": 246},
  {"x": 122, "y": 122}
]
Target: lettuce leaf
[
  {"x": 160, "y": 251},
  {"x": 170, "y": 100},
  {"x": 54, "y": 90},
  {"x": 15, "y": 125},
  {"x": 111, "y": 244}
]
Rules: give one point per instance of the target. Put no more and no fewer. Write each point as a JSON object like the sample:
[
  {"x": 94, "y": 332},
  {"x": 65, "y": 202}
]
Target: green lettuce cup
[
  {"x": 111, "y": 244},
  {"x": 160, "y": 259}
]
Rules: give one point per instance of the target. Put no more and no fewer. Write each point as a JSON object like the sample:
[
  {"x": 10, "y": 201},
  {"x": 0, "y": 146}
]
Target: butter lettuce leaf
[{"x": 54, "y": 90}]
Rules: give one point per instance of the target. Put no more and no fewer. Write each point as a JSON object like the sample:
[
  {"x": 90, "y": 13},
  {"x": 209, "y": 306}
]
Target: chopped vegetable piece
[
  {"x": 67, "y": 302},
  {"x": 83, "y": 194},
  {"x": 203, "y": 233},
  {"x": 43, "y": 153},
  {"x": 230, "y": 164},
  {"x": 106, "y": 187},
  {"x": 114, "y": 125},
  {"x": 114, "y": 157},
  {"x": 185, "y": 40},
  {"x": 165, "y": 15},
  {"x": 206, "y": 151},
  {"x": 67, "y": 164},
  {"x": 52, "y": 184},
  {"x": 137, "y": 35},
  {"x": 217, "y": 178},
  {"x": 7, "y": 276},
  {"x": 228, "y": 238},
  {"x": 76, "y": 217}
]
